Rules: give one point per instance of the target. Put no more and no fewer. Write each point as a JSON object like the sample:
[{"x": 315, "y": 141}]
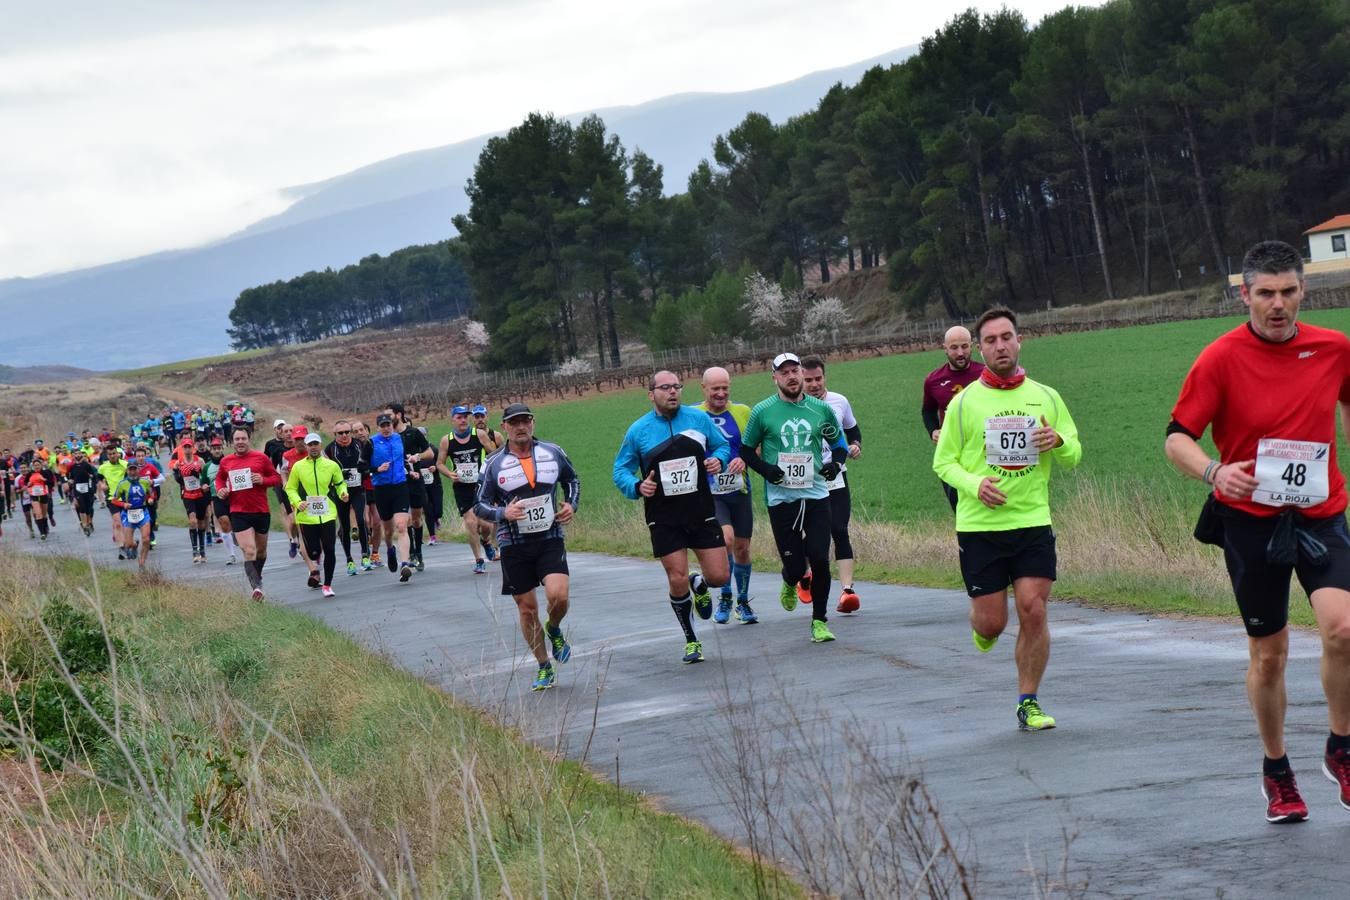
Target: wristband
[{"x": 1211, "y": 469}]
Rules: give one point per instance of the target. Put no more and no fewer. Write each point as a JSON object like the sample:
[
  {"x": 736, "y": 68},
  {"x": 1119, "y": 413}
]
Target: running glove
[{"x": 830, "y": 470}]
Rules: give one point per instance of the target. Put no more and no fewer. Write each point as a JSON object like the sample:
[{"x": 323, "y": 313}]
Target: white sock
[{"x": 227, "y": 538}]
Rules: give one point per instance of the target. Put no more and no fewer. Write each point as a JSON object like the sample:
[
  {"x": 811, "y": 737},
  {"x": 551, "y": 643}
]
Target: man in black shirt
[{"x": 421, "y": 458}]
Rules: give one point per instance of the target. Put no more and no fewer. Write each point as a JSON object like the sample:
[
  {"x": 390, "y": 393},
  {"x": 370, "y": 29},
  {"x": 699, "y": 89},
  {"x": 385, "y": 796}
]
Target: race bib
[
  {"x": 428, "y": 476},
  {"x": 316, "y": 506},
  {"x": 678, "y": 476},
  {"x": 82, "y": 488},
  {"x": 727, "y": 483},
  {"x": 135, "y": 516},
  {"x": 538, "y": 514},
  {"x": 38, "y": 490},
  {"x": 467, "y": 473},
  {"x": 1291, "y": 473},
  {"x": 796, "y": 468},
  {"x": 241, "y": 479},
  {"x": 353, "y": 477},
  {"x": 191, "y": 484},
  {"x": 1007, "y": 442}
]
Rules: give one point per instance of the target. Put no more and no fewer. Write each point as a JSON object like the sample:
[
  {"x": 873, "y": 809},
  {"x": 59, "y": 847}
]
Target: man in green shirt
[
  {"x": 111, "y": 472},
  {"x": 1002, "y": 437},
  {"x": 789, "y": 430}
]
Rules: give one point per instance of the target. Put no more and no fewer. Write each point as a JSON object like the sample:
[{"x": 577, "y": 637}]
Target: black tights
[
  {"x": 322, "y": 537},
  {"x": 357, "y": 504},
  {"x": 801, "y": 529}
]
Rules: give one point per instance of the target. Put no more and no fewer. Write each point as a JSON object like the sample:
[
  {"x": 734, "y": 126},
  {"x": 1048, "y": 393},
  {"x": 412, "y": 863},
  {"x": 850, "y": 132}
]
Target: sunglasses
[{"x": 341, "y": 433}]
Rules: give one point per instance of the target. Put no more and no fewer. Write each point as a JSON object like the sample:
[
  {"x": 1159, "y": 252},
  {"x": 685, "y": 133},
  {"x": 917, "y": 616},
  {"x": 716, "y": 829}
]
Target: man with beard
[{"x": 942, "y": 384}]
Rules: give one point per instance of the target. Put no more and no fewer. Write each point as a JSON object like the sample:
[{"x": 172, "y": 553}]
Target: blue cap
[
  {"x": 460, "y": 411},
  {"x": 480, "y": 410}
]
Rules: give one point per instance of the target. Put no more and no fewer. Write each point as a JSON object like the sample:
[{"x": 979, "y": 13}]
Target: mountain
[{"x": 175, "y": 304}]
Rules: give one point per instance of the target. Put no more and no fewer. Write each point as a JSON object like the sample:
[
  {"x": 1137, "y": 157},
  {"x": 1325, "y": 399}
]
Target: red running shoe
[
  {"x": 804, "y": 590},
  {"x": 849, "y": 602},
  {"x": 1283, "y": 802},
  {"x": 1336, "y": 766}
]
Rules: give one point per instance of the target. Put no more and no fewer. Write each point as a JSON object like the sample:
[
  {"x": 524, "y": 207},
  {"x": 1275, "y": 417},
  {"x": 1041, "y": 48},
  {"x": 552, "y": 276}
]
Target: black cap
[
  {"x": 515, "y": 409},
  {"x": 384, "y": 419}
]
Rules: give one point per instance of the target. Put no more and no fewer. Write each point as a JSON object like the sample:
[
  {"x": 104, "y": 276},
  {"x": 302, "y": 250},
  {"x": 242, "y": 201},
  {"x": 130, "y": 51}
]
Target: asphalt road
[{"x": 1149, "y": 787}]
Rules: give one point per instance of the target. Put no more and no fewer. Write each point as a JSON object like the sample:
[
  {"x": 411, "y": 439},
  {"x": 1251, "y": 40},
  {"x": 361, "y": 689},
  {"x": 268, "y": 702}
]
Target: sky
[{"x": 147, "y": 125}]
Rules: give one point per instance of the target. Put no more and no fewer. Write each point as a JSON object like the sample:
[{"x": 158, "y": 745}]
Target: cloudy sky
[{"x": 144, "y": 125}]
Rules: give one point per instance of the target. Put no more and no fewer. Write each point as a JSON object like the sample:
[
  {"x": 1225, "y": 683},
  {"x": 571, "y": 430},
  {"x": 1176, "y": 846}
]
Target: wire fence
[{"x": 434, "y": 392}]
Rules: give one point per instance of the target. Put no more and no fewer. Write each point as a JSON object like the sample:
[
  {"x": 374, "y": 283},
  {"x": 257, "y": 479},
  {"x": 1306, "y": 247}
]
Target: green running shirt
[
  {"x": 962, "y": 455},
  {"x": 778, "y": 426}
]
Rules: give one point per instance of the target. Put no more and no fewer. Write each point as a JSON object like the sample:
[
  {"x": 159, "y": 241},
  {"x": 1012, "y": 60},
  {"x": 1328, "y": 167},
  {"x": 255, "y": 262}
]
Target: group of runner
[{"x": 1277, "y": 504}]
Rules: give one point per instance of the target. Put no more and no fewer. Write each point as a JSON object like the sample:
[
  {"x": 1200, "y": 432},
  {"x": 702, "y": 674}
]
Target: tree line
[{"x": 422, "y": 283}]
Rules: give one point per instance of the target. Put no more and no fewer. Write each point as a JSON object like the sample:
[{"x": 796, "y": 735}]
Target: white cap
[
  {"x": 313, "y": 438},
  {"x": 783, "y": 359},
  {"x": 278, "y": 423}
]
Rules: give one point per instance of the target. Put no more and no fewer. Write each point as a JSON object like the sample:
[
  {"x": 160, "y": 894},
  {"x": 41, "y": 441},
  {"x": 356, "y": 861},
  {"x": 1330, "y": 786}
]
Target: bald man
[
  {"x": 944, "y": 383},
  {"x": 731, "y": 494}
]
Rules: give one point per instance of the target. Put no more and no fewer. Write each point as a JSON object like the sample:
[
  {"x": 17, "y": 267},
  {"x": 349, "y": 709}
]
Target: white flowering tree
[
  {"x": 765, "y": 304},
  {"x": 476, "y": 335},
  {"x": 823, "y": 318},
  {"x": 574, "y": 366}
]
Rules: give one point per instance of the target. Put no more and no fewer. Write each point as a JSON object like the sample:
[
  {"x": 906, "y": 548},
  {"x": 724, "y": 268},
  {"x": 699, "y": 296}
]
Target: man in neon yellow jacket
[{"x": 311, "y": 485}]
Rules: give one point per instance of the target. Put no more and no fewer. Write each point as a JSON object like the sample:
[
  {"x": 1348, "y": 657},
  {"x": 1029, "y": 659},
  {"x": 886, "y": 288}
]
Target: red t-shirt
[
  {"x": 942, "y": 385},
  {"x": 1249, "y": 388},
  {"x": 253, "y": 499},
  {"x": 192, "y": 469}
]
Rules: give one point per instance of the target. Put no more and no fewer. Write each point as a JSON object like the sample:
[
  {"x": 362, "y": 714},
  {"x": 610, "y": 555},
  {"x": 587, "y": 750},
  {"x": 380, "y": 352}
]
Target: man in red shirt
[
  {"x": 1270, "y": 388},
  {"x": 243, "y": 479},
  {"x": 942, "y": 384}
]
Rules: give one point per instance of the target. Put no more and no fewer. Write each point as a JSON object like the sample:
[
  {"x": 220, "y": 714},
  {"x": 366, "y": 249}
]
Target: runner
[
  {"x": 663, "y": 459},
  {"x": 374, "y": 526},
  {"x": 220, "y": 507},
  {"x": 731, "y": 494},
  {"x": 190, "y": 473},
  {"x": 311, "y": 482},
  {"x": 421, "y": 467},
  {"x": 462, "y": 452},
  {"x": 518, "y": 492},
  {"x": 84, "y": 484},
  {"x": 111, "y": 472},
  {"x": 790, "y": 430},
  {"x": 389, "y": 475},
  {"x": 942, "y": 384},
  {"x": 26, "y": 499},
  {"x": 1002, "y": 438},
  {"x": 131, "y": 497},
  {"x": 435, "y": 508},
  {"x": 276, "y": 448},
  {"x": 150, "y": 471},
  {"x": 242, "y": 479},
  {"x": 38, "y": 485},
  {"x": 841, "y": 501},
  {"x": 1270, "y": 388},
  {"x": 353, "y": 458}
]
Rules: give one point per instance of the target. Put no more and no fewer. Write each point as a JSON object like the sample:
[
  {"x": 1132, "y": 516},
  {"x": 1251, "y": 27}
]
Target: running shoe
[
  {"x": 313, "y": 580},
  {"x": 848, "y": 602},
  {"x": 745, "y": 614},
  {"x": 368, "y": 563},
  {"x": 788, "y": 597},
  {"x": 405, "y": 572},
  {"x": 351, "y": 567},
  {"x": 1030, "y": 716},
  {"x": 257, "y": 595},
  {"x": 294, "y": 551},
  {"x": 820, "y": 632},
  {"x": 327, "y": 591},
  {"x": 562, "y": 651},
  {"x": 417, "y": 561},
  {"x": 702, "y": 596},
  {"x": 480, "y": 567},
  {"x": 1283, "y": 801},
  {"x": 1336, "y": 766},
  {"x": 545, "y": 679},
  {"x": 431, "y": 540},
  {"x": 154, "y": 542},
  {"x": 491, "y": 552},
  {"x": 982, "y": 643},
  {"x": 393, "y": 558},
  {"x": 723, "y": 614},
  {"x": 804, "y": 590},
  {"x": 231, "y": 561},
  {"x": 726, "y": 593},
  {"x": 693, "y": 652},
  {"x": 44, "y": 537}
]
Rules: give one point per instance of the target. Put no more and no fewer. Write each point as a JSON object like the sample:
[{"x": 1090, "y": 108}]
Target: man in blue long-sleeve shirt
[
  {"x": 665, "y": 458},
  {"x": 389, "y": 475}
]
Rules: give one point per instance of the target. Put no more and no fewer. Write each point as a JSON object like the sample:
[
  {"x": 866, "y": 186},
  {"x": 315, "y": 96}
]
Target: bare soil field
[{"x": 49, "y": 411}]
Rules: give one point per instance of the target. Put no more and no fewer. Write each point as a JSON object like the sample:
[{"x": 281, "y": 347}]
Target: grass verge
[{"x": 241, "y": 750}]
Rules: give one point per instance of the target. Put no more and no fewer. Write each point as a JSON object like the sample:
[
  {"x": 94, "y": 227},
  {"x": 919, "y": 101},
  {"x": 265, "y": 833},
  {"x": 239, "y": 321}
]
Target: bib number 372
[{"x": 1291, "y": 473}]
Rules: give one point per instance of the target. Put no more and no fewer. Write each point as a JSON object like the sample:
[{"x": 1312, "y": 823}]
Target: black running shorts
[
  {"x": 84, "y": 503},
  {"x": 669, "y": 538},
  {"x": 283, "y": 499},
  {"x": 1261, "y": 588},
  {"x": 992, "y": 560},
  {"x": 258, "y": 522},
  {"x": 735, "y": 509},
  {"x": 196, "y": 507},
  {"x": 466, "y": 495},
  {"x": 221, "y": 508},
  {"x": 417, "y": 493},
  {"x": 391, "y": 499},
  {"x": 526, "y": 564}
]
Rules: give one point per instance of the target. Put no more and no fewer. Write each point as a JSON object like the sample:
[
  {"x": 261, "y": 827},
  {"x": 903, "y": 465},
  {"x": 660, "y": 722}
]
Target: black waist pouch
[{"x": 1209, "y": 527}]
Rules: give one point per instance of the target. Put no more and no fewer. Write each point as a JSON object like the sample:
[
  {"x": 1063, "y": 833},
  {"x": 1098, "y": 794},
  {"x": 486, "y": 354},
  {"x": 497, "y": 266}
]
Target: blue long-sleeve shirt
[
  {"x": 653, "y": 430},
  {"x": 387, "y": 450}
]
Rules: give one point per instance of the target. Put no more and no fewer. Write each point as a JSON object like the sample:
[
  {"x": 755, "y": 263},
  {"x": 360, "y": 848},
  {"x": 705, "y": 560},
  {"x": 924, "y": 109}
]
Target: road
[{"x": 1149, "y": 787}]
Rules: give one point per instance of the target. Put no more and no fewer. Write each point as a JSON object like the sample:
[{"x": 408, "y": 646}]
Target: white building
[{"x": 1328, "y": 240}]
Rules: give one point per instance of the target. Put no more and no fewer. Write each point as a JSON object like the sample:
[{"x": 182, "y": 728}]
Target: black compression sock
[
  {"x": 417, "y": 541},
  {"x": 192, "y": 536},
  {"x": 1275, "y": 766},
  {"x": 1338, "y": 742},
  {"x": 683, "y": 606}
]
